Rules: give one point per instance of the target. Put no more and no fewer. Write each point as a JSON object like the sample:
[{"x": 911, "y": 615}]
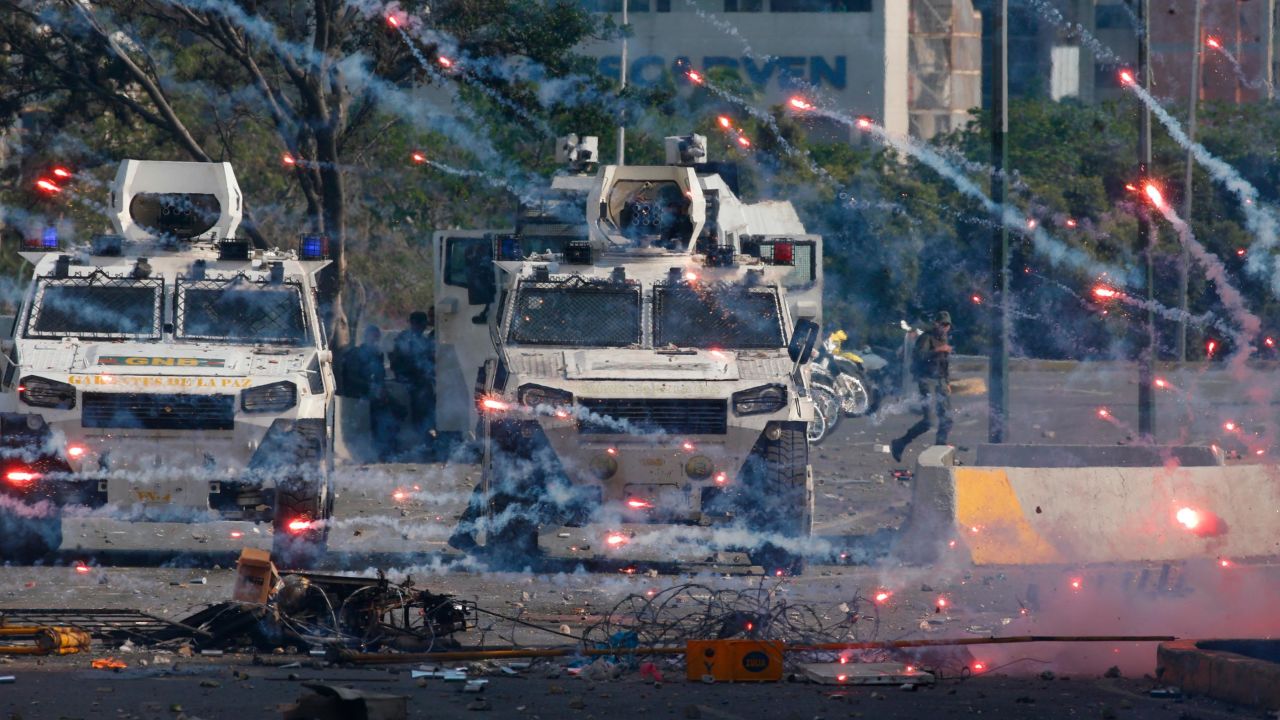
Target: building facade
[
  {"x": 945, "y": 65},
  {"x": 853, "y": 53}
]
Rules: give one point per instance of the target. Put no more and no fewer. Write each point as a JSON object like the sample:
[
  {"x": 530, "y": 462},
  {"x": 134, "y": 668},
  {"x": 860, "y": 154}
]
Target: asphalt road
[{"x": 396, "y": 518}]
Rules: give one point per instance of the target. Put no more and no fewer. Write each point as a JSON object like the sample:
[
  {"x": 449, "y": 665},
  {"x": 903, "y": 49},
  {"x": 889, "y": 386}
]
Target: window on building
[
  {"x": 820, "y": 5},
  {"x": 1113, "y": 17},
  {"x": 615, "y": 6},
  {"x": 743, "y": 5}
]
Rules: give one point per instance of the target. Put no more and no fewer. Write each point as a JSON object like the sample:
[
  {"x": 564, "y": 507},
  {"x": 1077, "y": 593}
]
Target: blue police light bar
[
  {"x": 313, "y": 247},
  {"x": 48, "y": 240},
  {"x": 509, "y": 248}
]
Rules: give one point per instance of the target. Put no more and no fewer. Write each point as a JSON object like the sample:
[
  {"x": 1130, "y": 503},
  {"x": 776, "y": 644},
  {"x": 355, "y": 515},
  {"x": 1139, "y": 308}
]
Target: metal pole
[
  {"x": 622, "y": 72},
  {"x": 1184, "y": 264},
  {"x": 1146, "y": 356},
  {"x": 998, "y": 364}
]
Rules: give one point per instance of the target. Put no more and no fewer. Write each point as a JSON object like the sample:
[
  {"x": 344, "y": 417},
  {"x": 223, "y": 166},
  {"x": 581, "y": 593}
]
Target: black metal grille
[
  {"x": 240, "y": 310},
  {"x": 146, "y": 411},
  {"x": 673, "y": 416},
  {"x": 716, "y": 315},
  {"x": 97, "y": 306},
  {"x": 577, "y": 312}
]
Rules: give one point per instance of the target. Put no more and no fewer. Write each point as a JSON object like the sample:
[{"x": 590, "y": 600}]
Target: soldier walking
[{"x": 931, "y": 364}]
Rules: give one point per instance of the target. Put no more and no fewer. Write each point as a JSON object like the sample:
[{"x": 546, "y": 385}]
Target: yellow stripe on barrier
[{"x": 993, "y": 521}]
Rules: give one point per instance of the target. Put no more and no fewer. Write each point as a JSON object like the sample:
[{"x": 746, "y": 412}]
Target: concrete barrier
[
  {"x": 1245, "y": 672},
  {"x": 1017, "y": 516},
  {"x": 1060, "y": 456}
]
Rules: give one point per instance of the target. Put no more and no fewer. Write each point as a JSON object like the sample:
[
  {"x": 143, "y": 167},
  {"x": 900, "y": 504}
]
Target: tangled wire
[{"x": 694, "y": 611}]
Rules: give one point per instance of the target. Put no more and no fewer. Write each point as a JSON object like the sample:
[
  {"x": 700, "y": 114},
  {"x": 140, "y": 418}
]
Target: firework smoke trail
[
  {"x": 1096, "y": 46},
  {"x": 1055, "y": 250},
  {"x": 1237, "y": 68},
  {"x": 1259, "y": 220},
  {"x": 450, "y": 63},
  {"x": 1214, "y": 270}
]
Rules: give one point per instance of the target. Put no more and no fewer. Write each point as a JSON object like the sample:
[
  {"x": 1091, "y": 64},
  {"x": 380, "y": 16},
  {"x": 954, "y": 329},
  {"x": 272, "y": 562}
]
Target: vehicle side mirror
[{"x": 803, "y": 338}]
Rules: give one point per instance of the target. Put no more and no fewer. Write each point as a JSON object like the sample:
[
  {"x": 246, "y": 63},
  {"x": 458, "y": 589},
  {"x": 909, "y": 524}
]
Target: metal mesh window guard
[
  {"x": 240, "y": 310},
  {"x": 97, "y": 306},
  {"x": 577, "y": 312},
  {"x": 716, "y": 316}
]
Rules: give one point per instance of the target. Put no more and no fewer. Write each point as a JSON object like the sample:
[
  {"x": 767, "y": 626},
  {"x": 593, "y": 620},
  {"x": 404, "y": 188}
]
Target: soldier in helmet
[{"x": 931, "y": 364}]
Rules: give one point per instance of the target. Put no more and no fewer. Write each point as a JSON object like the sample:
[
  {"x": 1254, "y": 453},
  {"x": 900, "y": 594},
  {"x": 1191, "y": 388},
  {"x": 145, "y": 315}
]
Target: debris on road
[
  {"x": 331, "y": 702},
  {"x": 33, "y": 640}
]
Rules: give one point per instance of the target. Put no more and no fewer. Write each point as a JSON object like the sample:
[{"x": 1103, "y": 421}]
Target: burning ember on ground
[{"x": 883, "y": 596}]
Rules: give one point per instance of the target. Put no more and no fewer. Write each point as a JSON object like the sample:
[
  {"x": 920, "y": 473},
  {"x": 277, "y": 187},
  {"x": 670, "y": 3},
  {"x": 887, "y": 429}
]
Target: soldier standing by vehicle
[
  {"x": 931, "y": 364},
  {"x": 414, "y": 361},
  {"x": 364, "y": 375}
]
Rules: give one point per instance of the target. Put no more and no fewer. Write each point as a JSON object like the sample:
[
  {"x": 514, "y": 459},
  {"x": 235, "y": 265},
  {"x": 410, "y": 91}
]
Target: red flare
[
  {"x": 1126, "y": 77},
  {"x": 800, "y": 103},
  {"x": 61, "y": 172},
  {"x": 1071, "y": 223},
  {"x": 1104, "y": 413},
  {"x": 1229, "y": 426},
  {"x": 977, "y": 299},
  {"x": 638, "y": 504},
  {"x": 444, "y": 61},
  {"x": 393, "y": 21},
  {"x": 883, "y": 596},
  {"x": 1031, "y": 223},
  {"x": 1076, "y": 583},
  {"x": 48, "y": 186},
  {"x": 82, "y": 568},
  {"x": 616, "y": 540},
  {"x": 695, "y": 77},
  {"x": 1210, "y": 347},
  {"x": 493, "y": 405},
  {"x": 288, "y": 159},
  {"x": 1157, "y": 199},
  {"x": 724, "y": 122},
  {"x": 743, "y": 141},
  {"x": 1270, "y": 342},
  {"x": 300, "y": 525},
  {"x": 1103, "y": 292},
  {"x": 722, "y": 478},
  {"x": 418, "y": 157},
  {"x": 1213, "y": 43},
  {"x": 865, "y": 123}
]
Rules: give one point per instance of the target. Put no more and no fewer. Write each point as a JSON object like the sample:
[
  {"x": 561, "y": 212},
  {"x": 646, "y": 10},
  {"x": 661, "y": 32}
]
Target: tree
[{"x": 327, "y": 74}]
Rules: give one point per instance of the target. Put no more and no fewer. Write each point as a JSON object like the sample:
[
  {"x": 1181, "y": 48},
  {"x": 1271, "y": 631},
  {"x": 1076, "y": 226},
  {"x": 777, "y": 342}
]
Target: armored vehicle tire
[
  {"x": 781, "y": 493},
  {"x": 515, "y": 544},
  {"x": 301, "y": 499},
  {"x": 24, "y": 539}
]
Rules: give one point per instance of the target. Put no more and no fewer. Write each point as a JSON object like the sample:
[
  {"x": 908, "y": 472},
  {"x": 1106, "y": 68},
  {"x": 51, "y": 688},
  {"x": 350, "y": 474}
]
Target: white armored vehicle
[
  {"x": 633, "y": 359},
  {"x": 168, "y": 371}
]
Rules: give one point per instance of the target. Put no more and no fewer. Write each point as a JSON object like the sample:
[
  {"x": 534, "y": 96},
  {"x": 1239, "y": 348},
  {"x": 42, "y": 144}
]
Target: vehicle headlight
[
  {"x": 535, "y": 395},
  {"x": 763, "y": 399},
  {"x": 43, "y": 392},
  {"x": 273, "y": 397}
]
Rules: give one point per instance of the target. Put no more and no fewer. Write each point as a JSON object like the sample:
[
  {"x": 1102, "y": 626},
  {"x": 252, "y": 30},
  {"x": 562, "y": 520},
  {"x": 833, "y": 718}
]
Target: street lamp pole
[
  {"x": 1184, "y": 264},
  {"x": 998, "y": 364},
  {"x": 1146, "y": 356}
]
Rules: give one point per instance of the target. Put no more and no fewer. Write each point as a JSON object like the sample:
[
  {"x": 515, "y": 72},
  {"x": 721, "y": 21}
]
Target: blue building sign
[{"x": 791, "y": 72}]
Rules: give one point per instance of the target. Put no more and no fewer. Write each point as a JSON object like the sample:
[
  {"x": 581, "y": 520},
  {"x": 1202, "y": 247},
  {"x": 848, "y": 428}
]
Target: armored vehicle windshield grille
[
  {"x": 240, "y": 311},
  {"x": 145, "y": 411},
  {"x": 97, "y": 306},
  {"x": 576, "y": 313},
  {"x": 673, "y": 416},
  {"x": 716, "y": 316}
]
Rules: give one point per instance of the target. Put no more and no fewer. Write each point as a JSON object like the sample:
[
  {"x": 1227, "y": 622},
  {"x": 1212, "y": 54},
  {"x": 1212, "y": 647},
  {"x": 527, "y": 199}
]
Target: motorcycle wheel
[
  {"x": 826, "y": 410},
  {"x": 855, "y": 397}
]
